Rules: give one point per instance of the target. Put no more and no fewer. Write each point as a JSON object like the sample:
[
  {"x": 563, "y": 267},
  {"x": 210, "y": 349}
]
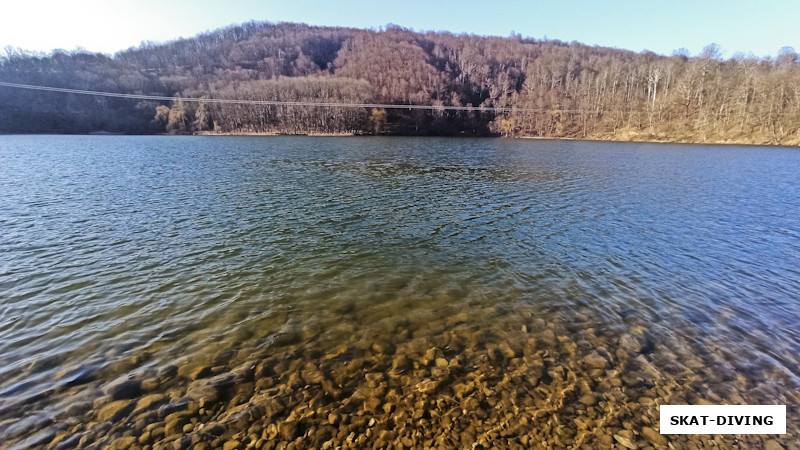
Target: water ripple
[{"x": 114, "y": 247}]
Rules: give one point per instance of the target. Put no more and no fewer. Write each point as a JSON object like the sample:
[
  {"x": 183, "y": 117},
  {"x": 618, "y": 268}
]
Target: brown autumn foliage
[{"x": 553, "y": 89}]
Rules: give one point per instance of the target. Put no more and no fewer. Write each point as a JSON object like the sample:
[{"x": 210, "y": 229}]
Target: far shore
[
  {"x": 622, "y": 137},
  {"x": 626, "y": 136},
  {"x": 269, "y": 133}
]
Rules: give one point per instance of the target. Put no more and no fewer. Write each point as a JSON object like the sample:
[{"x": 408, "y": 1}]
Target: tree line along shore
[{"x": 517, "y": 87}]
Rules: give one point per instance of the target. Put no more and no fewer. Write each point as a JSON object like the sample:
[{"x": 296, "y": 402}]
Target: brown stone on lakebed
[
  {"x": 427, "y": 386},
  {"x": 122, "y": 443},
  {"x": 231, "y": 445},
  {"x": 199, "y": 372},
  {"x": 209, "y": 389},
  {"x": 288, "y": 430},
  {"x": 625, "y": 442},
  {"x": 470, "y": 404},
  {"x": 175, "y": 421},
  {"x": 629, "y": 344},
  {"x": 595, "y": 361},
  {"x": 372, "y": 404},
  {"x": 373, "y": 378},
  {"x": 400, "y": 363},
  {"x": 430, "y": 356},
  {"x": 124, "y": 390},
  {"x": 312, "y": 376},
  {"x": 272, "y": 408},
  {"x": 150, "y": 384},
  {"x": 654, "y": 436},
  {"x": 114, "y": 410},
  {"x": 148, "y": 401},
  {"x": 587, "y": 399}
]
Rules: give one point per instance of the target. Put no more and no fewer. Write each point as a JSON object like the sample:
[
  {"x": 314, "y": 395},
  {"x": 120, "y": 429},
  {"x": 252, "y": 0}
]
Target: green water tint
[{"x": 380, "y": 292}]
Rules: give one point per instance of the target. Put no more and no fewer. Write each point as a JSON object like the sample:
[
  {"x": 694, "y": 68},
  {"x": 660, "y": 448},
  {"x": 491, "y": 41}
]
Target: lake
[{"x": 260, "y": 291}]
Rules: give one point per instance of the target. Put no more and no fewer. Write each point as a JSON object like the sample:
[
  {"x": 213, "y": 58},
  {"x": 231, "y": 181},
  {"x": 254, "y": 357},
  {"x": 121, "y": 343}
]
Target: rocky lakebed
[{"x": 521, "y": 383}]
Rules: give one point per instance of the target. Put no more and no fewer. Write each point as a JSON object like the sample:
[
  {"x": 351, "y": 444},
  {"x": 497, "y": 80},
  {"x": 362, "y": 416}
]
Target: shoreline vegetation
[
  {"x": 518, "y": 87},
  {"x": 623, "y": 136}
]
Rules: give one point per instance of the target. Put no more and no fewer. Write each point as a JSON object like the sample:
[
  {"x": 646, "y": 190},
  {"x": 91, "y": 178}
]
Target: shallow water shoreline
[{"x": 450, "y": 384}]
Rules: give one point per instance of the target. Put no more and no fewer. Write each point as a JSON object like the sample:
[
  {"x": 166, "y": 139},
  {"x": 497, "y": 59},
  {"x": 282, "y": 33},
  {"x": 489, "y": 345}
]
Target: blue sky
[{"x": 758, "y": 27}]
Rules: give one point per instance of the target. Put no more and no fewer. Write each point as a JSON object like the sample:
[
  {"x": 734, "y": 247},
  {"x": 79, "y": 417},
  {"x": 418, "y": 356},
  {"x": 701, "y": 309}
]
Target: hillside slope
[{"x": 555, "y": 89}]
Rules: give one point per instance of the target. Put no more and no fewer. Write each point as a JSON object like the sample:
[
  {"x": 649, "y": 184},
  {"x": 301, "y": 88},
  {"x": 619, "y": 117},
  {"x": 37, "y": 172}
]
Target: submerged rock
[
  {"x": 431, "y": 386},
  {"x": 654, "y": 436},
  {"x": 231, "y": 445},
  {"x": 169, "y": 408},
  {"x": 373, "y": 378},
  {"x": 175, "y": 421},
  {"x": 288, "y": 430},
  {"x": 122, "y": 443},
  {"x": 168, "y": 371},
  {"x": 629, "y": 344},
  {"x": 427, "y": 386},
  {"x": 595, "y": 361},
  {"x": 124, "y": 390},
  {"x": 78, "y": 376},
  {"x": 114, "y": 410},
  {"x": 204, "y": 392},
  {"x": 149, "y": 401},
  {"x": 273, "y": 408},
  {"x": 625, "y": 442},
  {"x": 195, "y": 373}
]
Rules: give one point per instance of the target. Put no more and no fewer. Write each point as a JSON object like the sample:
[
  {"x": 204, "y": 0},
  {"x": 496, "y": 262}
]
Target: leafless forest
[{"x": 554, "y": 89}]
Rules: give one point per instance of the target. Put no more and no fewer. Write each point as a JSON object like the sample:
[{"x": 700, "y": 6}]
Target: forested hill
[{"x": 555, "y": 89}]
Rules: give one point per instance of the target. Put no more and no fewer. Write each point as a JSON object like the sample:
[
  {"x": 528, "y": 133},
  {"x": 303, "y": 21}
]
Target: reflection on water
[{"x": 377, "y": 292}]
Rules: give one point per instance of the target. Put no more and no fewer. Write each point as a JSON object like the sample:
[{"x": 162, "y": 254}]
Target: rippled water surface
[{"x": 123, "y": 258}]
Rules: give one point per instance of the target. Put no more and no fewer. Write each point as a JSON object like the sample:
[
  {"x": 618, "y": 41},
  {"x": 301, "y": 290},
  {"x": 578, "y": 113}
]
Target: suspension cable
[{"x": 495, "y": 109}]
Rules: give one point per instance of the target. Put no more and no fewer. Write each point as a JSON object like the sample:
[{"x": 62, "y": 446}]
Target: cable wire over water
[{"x": 495, "y": 109}]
